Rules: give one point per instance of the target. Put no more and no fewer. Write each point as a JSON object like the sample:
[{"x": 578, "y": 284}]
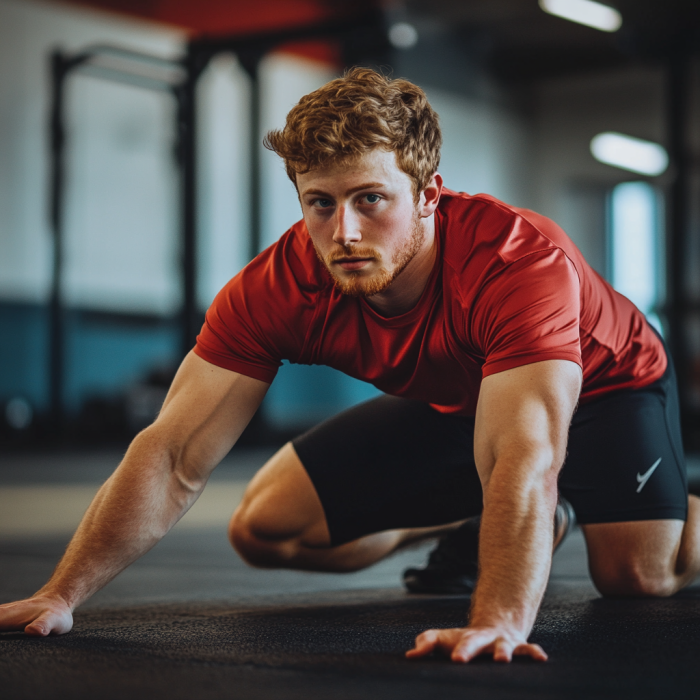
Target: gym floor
[{"x": 190, "y": 620}]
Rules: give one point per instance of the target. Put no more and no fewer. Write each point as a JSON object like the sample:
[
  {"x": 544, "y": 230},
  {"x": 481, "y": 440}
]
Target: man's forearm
[
  {"x": 515, "y": 547},
  {"x": 131, "y": 512}
]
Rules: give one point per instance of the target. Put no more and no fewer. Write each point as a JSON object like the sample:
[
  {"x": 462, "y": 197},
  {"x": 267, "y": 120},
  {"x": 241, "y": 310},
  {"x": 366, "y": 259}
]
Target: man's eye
[
  {"x": 323, "y": 203},
  {"x": 372, "y": 198}
]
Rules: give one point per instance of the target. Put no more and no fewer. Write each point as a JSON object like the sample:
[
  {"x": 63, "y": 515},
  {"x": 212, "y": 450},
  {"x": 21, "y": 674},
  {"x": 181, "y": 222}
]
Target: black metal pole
[
  {"x": 56, "y": 320},
  {"x": 678, "y": 82},
  {"x": 250, "y": 60}
]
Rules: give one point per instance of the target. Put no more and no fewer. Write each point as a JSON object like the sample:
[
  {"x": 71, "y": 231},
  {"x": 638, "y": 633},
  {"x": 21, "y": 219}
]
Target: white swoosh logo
[{"x": 643, "y": 478}]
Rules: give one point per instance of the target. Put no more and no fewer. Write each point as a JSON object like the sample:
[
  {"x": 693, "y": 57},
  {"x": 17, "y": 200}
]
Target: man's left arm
[{"x": 521, "y": 431}]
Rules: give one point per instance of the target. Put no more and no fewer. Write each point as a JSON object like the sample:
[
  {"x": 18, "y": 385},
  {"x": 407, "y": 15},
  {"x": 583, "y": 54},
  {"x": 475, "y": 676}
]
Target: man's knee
[
  {"x": 254, "y": 540},
  {"x": 633, "y": 578},
  {"x": 635, "y": 558},
  {"x": 280, "y": 514}
]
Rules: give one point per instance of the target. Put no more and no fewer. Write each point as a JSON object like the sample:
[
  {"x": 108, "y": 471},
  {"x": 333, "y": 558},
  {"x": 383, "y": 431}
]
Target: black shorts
[{"x": 396, "y": 463}]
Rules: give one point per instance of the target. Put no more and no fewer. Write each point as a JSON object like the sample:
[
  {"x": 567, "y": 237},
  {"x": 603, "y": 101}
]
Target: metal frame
[{"x": 178, "y": 77}]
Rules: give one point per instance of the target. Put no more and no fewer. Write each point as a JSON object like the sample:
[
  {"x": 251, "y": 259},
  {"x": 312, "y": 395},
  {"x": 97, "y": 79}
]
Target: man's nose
[{"x": 347, "y": 227}]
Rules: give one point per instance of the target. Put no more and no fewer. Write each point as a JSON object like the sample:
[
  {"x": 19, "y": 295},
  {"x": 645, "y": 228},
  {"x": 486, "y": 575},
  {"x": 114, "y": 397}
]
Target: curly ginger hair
[{"x": 355, "y": 114}]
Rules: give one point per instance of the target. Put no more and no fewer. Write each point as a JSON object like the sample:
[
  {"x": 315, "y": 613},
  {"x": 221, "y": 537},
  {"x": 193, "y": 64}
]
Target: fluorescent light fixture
[
  {"x": 403, "y": 35},
  {"x": 592, "y": 14},
  {"x": 629, "y": 153}
]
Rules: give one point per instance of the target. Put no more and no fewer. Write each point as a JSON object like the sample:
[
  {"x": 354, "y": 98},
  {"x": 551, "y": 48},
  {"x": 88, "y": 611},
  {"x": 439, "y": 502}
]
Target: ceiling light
[
  {"x": 403, "y": 35},
  {"x": 629, "y": 153},
  {"x": 592, "y": 14}
]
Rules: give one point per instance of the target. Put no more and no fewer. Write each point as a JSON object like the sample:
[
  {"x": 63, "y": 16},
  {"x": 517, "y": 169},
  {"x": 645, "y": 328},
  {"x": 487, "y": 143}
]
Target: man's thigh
[
  {"x": 625, "y": 457},
  {"x": 391, "y": 463}
]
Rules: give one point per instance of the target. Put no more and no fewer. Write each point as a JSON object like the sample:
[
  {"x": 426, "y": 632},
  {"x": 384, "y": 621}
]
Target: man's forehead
[{"x": 376, "y": 168}]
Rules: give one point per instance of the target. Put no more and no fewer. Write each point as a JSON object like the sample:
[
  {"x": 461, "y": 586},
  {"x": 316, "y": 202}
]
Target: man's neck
[{"x": 406, "y": 290}]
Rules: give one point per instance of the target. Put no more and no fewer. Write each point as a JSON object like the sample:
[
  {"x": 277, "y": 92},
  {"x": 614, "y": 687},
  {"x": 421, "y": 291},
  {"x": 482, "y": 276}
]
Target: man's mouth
[{"x": 352, "y": 263}]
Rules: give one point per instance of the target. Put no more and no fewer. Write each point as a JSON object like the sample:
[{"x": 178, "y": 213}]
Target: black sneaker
[{"x": 452, "y": 565}]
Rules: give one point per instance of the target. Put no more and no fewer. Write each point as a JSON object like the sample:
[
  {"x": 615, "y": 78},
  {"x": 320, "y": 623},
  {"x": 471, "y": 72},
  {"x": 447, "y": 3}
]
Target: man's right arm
[{"x": 161, "y": 476}]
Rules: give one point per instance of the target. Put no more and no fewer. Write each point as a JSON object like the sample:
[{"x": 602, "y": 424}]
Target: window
[{"x": 635, "y": 235}]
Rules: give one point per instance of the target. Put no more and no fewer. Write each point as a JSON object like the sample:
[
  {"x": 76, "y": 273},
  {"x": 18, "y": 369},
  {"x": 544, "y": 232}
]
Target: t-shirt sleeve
[
  {"x": 529, "y": 312},
  {"x": 227, "y": 339},
  {"x": 258, "y": 319}
]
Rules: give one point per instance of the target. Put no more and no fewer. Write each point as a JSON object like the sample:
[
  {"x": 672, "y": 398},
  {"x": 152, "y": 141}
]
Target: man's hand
[
  {"x": 38, "y": 616},
  {"x": 464, "y": 644}
]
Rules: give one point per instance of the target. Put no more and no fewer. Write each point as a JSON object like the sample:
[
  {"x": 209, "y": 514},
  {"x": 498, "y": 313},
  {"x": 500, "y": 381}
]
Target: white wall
[
  {"x": 569, "y": 185},
  {"x": 224, "y": 187},
  {"x": 224, "y": 127},
  {"x": 485, "y": 147},
  {"x": 120, "y": 247},
  {"x": 122, "y": 208},
  {"x": 121, "y": 205},
  {"x": 284, "y": 80}
]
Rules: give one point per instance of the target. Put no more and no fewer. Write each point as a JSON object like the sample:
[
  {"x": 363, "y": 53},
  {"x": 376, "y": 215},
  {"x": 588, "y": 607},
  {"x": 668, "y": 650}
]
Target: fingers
[
  {"x": 37, "y": 629},
  {"x": 435, "y": 640},
  {"x": 43, "y": 625},
  {"x": 459, "y": 644},
  {"x": 50, "y": 622},
  {"x": 463, "y": 645},
  {"x": 502, "y": 652},
  {"x": 534, "y": 651},
  {"x": 14, "y": 616},
  {"x": 36, "y": 617},
  {"x": 471, "y": 645},
  {"x": 425, "y": 644}
]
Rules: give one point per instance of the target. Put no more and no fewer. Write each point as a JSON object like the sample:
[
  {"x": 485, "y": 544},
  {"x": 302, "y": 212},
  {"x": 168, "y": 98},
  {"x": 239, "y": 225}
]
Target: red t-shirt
[{"x": 508, "y": 288}]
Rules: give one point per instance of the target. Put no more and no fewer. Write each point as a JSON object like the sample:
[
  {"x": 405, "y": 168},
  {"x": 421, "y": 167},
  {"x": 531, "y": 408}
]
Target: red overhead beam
[{"x": 222, "y": 17}]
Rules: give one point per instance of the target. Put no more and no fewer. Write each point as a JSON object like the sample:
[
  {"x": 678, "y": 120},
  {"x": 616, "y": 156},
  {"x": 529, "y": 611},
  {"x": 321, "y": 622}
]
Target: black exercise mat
[{"x": 350, "y": 645}]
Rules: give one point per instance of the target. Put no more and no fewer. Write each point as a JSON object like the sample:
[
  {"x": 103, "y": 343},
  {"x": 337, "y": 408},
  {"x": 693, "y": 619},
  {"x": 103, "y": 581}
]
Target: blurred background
[{"x": 134, "y": 184}]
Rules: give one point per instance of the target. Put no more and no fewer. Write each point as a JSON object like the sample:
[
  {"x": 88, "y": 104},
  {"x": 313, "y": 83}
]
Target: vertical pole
[
  {"x": 56, "y": 320},
  {"x": 677, "y": 117},
  {"x": 250, "y": 60}
]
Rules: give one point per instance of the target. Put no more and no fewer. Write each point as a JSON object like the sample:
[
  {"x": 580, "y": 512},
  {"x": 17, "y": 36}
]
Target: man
[{"x": 484, "y": 326}]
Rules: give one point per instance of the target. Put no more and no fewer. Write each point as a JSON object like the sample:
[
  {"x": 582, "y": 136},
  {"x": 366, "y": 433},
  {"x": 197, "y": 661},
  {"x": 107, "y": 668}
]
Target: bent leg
[
  {"x": 281, "y": 523},
  {"x": 645, "y": 557}
]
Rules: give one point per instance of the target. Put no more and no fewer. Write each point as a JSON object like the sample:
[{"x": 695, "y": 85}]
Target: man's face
[{"x": 363, "y": 221}]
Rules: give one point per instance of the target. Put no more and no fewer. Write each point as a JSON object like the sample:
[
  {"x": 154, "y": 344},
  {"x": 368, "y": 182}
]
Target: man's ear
[{"x": 430, "y": 196}]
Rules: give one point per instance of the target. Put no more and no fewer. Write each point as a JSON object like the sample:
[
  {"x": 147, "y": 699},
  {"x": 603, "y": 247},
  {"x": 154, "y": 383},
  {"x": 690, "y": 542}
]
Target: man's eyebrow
[{"x": 352, "y": 190}]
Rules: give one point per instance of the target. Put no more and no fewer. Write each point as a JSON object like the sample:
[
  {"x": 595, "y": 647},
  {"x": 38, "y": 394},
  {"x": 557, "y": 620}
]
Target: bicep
[
  {"x": 524, "y": 414},
  {"x": 206, "y": 410}
]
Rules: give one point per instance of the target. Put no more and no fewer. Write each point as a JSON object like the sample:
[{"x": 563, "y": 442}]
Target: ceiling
[
  {"x": 519, "y": 41},
  {"x": 515, "y": 39}
]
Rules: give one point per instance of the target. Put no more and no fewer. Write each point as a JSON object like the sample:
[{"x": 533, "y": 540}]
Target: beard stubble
[{"x": 355, "y": 284}]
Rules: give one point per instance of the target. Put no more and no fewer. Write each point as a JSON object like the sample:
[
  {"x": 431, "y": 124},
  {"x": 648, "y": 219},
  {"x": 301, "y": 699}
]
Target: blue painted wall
[
  {"x": 104, "y": 354},
  {"x": 23, "y": 353}
]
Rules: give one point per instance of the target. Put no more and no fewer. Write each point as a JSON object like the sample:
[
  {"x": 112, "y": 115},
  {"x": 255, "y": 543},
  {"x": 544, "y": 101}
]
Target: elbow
[
  {"x": 169, "y": 457},
  {"x": 187, "y": 476}
]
